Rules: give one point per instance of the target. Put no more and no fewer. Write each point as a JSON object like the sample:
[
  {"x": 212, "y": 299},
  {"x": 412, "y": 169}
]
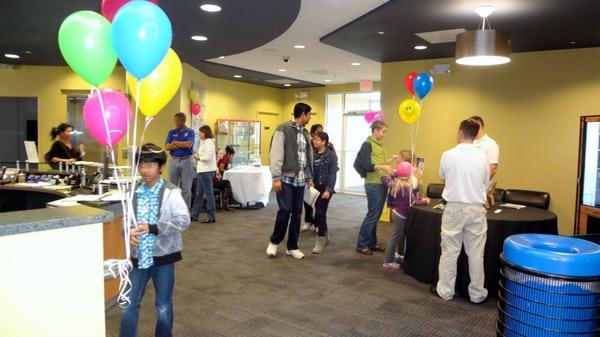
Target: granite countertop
[{"x": 36, "y": 220}]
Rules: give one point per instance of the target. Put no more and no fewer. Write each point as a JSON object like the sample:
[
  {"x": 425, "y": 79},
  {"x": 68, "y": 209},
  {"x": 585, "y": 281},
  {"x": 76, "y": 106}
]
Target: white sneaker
[
  {"x": 272, "y": 250},
  {"x": 306, "y": 226},
  {"x": 295, "y": 253}
]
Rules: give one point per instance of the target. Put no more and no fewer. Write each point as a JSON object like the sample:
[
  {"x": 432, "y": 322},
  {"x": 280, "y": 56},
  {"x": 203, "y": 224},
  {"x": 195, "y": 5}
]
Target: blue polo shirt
[{"x": 181, "y": 136}]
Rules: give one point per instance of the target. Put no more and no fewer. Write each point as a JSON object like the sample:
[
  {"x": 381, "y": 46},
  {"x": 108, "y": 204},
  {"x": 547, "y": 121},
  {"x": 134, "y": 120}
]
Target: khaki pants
[{"x": 463, "y": 223}]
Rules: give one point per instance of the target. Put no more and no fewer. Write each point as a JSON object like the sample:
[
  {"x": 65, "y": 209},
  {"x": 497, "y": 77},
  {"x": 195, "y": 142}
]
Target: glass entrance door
[{"x": 356, "y": 130}]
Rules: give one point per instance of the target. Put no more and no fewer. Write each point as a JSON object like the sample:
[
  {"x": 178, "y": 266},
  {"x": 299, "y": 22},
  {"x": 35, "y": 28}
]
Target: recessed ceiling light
[
  {"x": 28, "y": 52},
  {"x": 199, "y": 38},
  {"x": 327, "y": 80},
  {"x": 237, "y": 76},
  {"x": 420, "y": 47},
  {"x": 299, "y": 46},
  {"x": 287, "y": 85},
  {"x": 212, "y": 8},
  {"x": 12, "y": 56},
  {"x": 355, "y": 63},
  {"x": 380, "y": 33},
  {"x": 221, "y": 57},
  {"x": 572, "y": 42},
  {"x": 282, "y": 70}
]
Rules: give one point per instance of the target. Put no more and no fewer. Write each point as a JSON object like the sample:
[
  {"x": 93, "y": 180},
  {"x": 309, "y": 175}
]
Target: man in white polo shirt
[
  {"x": 465, "y": 171},
  {"x": 488, "y": 145}
]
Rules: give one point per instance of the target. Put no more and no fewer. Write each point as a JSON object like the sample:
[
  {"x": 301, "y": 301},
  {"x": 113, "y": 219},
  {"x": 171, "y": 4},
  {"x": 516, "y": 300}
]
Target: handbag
[{"x": 311, "y": 195}]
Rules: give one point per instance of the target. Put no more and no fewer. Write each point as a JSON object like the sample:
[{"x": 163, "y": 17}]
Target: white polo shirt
[
  {"x": 466, "y": 172},
  {"x": 488, "y": 146}
]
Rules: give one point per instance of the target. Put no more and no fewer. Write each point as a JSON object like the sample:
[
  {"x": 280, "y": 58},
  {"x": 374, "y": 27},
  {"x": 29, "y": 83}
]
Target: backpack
[{"x": 363, "y": 159}]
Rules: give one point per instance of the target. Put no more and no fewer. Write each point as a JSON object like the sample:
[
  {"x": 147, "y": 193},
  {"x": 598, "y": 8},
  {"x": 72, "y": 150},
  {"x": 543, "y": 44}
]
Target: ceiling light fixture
[
  {"x": 211, "y": 8},
  {"x": 483, "y": 47},
  {"x": 237, "y": 76},
  {"x": 12, "y": 56},
  {"x": 221, "y": 57},
  {"x": 282, "y": 70},
  {"x": 299, "y": 46},
  {"x": 287, "y": 85},
  {"x": 380, "y": 33},
  {"x": 199, "y": 38},
  {"x": 355, "y": 63},
  {"x": 420, "y": 47}
]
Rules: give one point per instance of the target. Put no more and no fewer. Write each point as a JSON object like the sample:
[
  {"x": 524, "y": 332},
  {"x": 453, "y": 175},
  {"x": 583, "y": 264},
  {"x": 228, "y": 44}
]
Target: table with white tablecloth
[{"x": 250, "y": 185}]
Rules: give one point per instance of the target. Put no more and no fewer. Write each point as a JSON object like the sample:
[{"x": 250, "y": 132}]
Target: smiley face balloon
[{"x": 409, "y": 110}]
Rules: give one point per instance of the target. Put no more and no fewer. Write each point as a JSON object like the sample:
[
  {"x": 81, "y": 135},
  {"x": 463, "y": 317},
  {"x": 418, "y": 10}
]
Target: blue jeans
[
  {"x": 367, "y": 237},
  {"x": 204, "y": 189},
  {"x": 184, "y": 170},
  {"x": 163, "y": 278}
]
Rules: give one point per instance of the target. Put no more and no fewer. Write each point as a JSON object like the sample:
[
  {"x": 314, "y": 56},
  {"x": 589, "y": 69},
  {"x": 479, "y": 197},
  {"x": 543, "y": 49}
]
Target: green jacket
[{"x": 377, "y": 158}]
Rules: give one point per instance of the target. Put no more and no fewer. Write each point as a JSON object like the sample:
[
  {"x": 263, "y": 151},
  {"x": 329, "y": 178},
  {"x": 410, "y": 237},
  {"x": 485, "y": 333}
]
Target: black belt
[{"x": 182, "y": 158}]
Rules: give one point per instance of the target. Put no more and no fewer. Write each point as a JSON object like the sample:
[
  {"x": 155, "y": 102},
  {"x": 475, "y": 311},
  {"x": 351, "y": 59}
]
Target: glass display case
[{"x": 243, "y": 136}]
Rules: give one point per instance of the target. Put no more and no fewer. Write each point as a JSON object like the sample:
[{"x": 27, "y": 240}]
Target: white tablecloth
[{"x": 250, "y": 184}]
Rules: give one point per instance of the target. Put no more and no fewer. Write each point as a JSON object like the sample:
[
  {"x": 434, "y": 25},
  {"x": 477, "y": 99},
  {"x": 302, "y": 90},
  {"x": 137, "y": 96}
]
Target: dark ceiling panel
[
  {"x": 249, "y": 76},
  {"x": 534, "y": 25},
  {"x": 32, "y": 25}
]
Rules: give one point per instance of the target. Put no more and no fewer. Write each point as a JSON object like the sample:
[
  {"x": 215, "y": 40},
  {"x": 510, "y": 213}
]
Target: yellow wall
[
  {"x": 46, "y": 84},
  {"x": 531, "y": 106}
]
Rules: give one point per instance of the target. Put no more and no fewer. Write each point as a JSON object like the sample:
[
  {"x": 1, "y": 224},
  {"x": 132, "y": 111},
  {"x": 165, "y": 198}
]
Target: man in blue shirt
[{"x": 180, "y": 143}]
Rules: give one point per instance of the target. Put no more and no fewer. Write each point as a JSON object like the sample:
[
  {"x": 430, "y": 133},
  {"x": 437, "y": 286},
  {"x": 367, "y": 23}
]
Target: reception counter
[{"x": 52, "y": 280}]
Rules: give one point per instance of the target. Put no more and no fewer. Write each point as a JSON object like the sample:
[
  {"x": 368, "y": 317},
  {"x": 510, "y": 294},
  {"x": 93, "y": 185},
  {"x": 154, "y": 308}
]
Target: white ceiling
[{"x": 317, "y": 62}]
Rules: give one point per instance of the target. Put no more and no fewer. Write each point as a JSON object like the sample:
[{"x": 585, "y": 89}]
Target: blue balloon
[
  {"x": 141, "y": 35},
  {"x": 422, "y": 85}
]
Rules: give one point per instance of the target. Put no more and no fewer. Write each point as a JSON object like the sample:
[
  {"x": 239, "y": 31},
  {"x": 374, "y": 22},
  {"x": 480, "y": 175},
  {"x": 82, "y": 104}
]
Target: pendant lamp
[{"x": 483, "y": 47}]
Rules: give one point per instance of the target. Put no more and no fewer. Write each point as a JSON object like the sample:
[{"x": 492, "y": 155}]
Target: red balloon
[
  {"x": 109, "y": 8},
  {"x": 196, "y": 108},
  {"x": 408, "y": 82}
]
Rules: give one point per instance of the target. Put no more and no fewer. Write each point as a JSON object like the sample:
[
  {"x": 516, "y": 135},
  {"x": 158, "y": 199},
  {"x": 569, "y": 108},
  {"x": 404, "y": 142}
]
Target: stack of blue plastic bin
[{"x": 550, "y": 287}]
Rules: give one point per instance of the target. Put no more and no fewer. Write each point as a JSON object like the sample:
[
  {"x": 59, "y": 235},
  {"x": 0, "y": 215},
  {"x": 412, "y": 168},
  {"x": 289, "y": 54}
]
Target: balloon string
[
  {"x": 133, "y": 153},
  {"x": 123, "y": 266},
  {"x": 128, "y": 119}
]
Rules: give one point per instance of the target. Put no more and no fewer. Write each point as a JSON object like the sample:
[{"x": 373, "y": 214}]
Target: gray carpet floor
[{"x": 226, "y": 286}]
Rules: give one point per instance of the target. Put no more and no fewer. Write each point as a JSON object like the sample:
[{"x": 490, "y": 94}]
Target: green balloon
[{"x": 85, "y": 41}]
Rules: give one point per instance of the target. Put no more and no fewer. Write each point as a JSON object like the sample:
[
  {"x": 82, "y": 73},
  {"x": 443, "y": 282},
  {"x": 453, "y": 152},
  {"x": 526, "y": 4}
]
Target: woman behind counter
[{"x": 62, "y": 150}]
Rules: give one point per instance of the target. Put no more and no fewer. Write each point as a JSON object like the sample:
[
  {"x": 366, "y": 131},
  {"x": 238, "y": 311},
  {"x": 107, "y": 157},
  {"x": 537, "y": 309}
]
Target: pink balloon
[
  {"x": 109, "y": 8},
  {"x": 369, "y": 116},
  {"x": 196, "y": 108},
  {"x": 377, "y": 116},
  {"x": 117, "y": 112}
]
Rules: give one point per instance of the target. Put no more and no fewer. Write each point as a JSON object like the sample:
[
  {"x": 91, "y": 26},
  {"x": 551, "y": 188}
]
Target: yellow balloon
[
  {"x": 409, "y": 110},
  {"x": 194, "y": 95},
  {"x": 160, "y": 86}
]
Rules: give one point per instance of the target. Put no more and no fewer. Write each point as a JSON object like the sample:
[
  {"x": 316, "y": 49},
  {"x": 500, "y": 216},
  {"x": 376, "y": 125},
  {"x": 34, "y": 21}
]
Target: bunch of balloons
[
  {"x": 372, "y": 116},
  {"x": 195, "y": 98},
  {"x": 417, "y": 85},
  {"x": 140, "y": 37}
]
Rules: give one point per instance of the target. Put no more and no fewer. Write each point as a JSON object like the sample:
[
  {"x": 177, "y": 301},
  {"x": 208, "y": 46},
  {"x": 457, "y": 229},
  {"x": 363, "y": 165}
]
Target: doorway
[
  {"x": 347, "y": 129},
  {"x": 18, "y": 117},
  {"x": 94, "y": 151},
  {"x": 268, "y": 122}
]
